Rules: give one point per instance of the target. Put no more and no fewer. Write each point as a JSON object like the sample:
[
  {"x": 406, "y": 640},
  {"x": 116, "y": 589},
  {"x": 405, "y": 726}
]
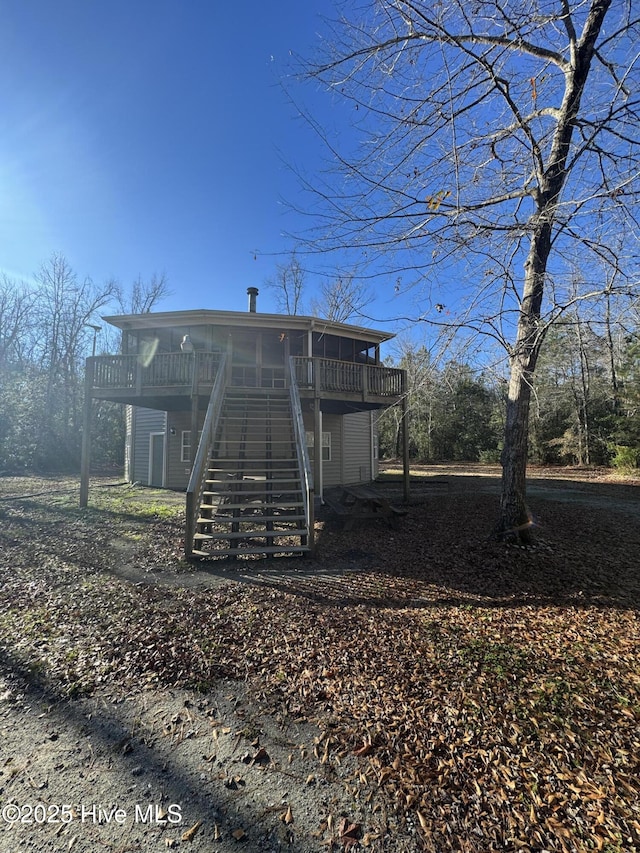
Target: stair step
[
  {"x": 285, "y": 498},
  {"x": 243, "y": 440},
  {"x": 254, "y": 460},
  {"x": 287, "y": 504},
  {"x": 256, "y": 481},
  {"x": 233, "y": 484},
  {"x": 253, "y": 534},
  {"x": 243, "y": 392},
  {"x": 232, "y": 470},
  {"x": 251, "y": 519},
  {"x": 259, "y": 417},
  {"x": 268, "y": 549},
  {"x": 247, "y": 487}
]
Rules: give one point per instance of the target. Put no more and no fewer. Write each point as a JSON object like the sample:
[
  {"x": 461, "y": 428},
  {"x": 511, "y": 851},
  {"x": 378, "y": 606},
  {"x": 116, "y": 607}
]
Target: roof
[{"x": 207, "y": 317}]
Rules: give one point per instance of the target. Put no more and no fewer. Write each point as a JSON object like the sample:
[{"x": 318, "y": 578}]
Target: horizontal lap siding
[
  {"x": 356, "y": 431},
  {"x": 332, "y": 471},
  {"x": 177, "y": 471}
]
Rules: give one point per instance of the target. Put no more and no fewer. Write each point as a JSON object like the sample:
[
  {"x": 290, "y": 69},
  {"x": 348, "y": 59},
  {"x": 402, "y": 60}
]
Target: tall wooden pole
[
  {"x": 195, "y": 400},
  {"x": 405, "y": 448},
  {"x": 85, "y": 463},
  {"x": 317, "y": 447}
]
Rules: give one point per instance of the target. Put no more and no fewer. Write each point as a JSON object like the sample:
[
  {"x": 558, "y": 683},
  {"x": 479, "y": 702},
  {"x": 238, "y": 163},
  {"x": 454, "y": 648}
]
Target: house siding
[
  {"x": 177, "y": 471},
  {"x": 351, "y": 450},
  {"x": 356, "y": 447},
  {"x": 331, "y": 471}
]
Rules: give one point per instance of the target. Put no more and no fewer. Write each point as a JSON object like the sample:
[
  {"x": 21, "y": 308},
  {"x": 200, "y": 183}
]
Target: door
[{"x": 156, "y": 459}]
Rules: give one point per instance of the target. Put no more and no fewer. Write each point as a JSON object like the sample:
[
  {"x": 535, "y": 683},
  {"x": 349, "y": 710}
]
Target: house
[{"x": 231, "y": 407}]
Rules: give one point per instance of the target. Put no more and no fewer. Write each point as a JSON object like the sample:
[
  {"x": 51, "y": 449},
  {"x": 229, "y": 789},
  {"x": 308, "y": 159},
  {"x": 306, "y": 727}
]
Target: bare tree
[
  {"x": 16, "y": 321},
  {"x": 143, "y": 296},
  {"x": 341, "y": 299},
  {"x": 288, "y": 286},
  {"x": 65, "y": 307},
  {"x": 499, "y": 150}
]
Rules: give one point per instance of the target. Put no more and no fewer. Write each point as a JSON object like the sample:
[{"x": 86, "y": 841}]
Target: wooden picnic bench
[{"x": 358, "y": 503}]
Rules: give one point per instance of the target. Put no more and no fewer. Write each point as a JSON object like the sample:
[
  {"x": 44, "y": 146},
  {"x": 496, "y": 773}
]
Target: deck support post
[
  {"x": 194, "y": 407},
  {"x": 194, "y": 426},
  {"x": 317, "y": 447},
  {"x": 405, "y": 448},
  {"x": 85, "y": 463}
]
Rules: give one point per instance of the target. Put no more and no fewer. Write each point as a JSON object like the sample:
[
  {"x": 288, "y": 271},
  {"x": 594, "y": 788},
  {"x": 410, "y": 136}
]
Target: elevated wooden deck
[{"x": 170, "y": 380}]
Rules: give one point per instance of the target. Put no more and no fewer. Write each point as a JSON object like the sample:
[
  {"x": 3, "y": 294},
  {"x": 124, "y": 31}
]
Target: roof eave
[{"x": 205, "y": 316}]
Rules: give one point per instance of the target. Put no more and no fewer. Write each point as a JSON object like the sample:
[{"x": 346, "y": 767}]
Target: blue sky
[{"x": 152, "y": 136}]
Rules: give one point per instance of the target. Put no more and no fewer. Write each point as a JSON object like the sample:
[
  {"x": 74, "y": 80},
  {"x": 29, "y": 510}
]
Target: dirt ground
[{"x": 257, "y": 741}]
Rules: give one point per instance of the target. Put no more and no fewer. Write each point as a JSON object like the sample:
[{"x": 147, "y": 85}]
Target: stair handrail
[
  {"x": 303, "y": 453},
  {"x": 198, "y": 470}
]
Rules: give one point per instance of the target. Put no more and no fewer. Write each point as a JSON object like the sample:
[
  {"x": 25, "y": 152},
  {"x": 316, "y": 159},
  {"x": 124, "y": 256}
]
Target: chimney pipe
[{"x": 252, "y": 293}]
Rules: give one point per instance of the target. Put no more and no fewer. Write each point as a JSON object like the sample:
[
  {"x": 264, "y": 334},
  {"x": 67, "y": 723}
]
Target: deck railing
[
  {"x": 330, "y": 375},
  {"x": 165, "y": 369},
  {"x": 199, "y": 469},
  {"x": 175, "y": 369},
  {"x": 303, "y": 455}
]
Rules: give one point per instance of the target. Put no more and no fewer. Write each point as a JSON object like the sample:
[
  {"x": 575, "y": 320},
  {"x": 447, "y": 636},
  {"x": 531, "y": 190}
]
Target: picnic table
[{"x": 357, "y": 503}]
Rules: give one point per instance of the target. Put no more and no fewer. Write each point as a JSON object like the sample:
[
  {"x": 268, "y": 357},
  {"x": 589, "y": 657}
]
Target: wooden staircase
[{"x": 253, "y": 496}]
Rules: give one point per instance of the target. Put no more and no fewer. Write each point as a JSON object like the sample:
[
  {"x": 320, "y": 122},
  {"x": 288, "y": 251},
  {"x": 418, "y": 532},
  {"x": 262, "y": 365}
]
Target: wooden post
[
  {"x": 317, "y": 448},
  {"x": 85, "y": 464},
  {"x": 229, "y": 359},
  {"x": 405, "y": 448},
  {"x": 194, "y": 426},
  {"x": 138, "y": 377},
  {"x": 318, "y": 370},
  {"x": 195, "y": 373}
]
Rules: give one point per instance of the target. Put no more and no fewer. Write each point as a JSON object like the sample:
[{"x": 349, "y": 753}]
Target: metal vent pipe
[{"x": 252, "y": 293}]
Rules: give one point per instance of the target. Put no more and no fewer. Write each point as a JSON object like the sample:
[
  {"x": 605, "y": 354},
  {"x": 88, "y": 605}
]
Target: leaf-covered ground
[{"x": 490, "y": 694}]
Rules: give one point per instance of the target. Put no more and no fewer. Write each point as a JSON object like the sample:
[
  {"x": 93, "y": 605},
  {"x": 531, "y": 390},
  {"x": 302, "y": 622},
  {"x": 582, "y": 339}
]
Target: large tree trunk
[{"x": 515, "y": 520}]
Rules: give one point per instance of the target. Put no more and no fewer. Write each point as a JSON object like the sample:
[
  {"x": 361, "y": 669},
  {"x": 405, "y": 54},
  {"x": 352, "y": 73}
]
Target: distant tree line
[
  {"x": 47, "y": 329},
  {"x": 585, "y": 411}
]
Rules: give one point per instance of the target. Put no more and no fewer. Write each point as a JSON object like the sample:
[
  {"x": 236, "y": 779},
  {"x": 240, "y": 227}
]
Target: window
[
  {"x": 326, "y": 445},
  {"x": 185, "y": 444}
]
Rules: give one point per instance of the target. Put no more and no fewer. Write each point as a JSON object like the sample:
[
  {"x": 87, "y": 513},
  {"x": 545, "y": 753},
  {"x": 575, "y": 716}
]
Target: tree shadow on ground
[
  {"x": 588, "y": 539},
  {"x": 132, "y": 772}
]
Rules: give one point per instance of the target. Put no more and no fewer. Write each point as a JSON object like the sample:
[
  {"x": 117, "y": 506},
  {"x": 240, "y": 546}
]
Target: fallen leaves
[
  {"x": 287, "y": 816},
  {"x": 348, "y": 833},
  {"x": 190, "y": 834},
  {"x": 491, "y": 696}
]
